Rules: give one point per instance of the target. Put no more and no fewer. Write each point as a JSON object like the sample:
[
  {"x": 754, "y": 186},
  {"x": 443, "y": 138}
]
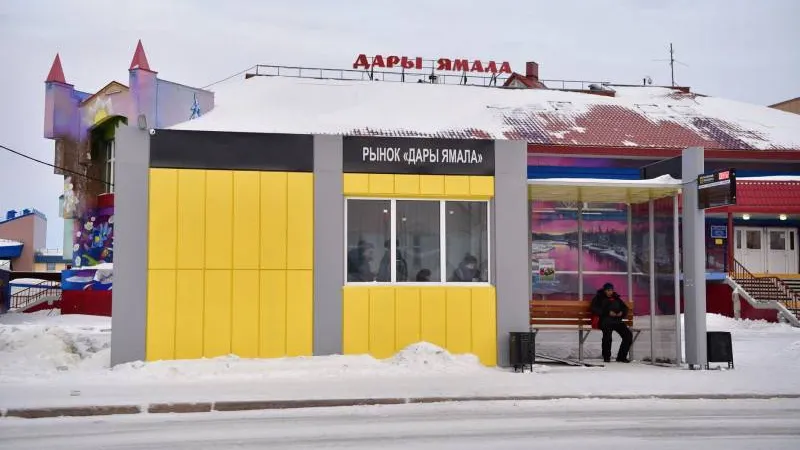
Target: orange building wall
[{"x": 31, "y": 231}]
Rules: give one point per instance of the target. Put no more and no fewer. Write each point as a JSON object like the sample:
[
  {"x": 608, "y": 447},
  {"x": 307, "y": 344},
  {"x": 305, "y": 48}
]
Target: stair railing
[
  {"x": 32, "y": 294},
  {"x": 766, "y": 288}
]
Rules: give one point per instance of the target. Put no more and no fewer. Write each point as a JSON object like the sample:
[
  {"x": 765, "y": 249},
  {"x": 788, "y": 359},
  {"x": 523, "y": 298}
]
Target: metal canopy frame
[{"x": 629, "y": 192}]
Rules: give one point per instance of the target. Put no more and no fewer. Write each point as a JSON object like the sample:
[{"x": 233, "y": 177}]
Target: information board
[{"x": 716, "y": 189}]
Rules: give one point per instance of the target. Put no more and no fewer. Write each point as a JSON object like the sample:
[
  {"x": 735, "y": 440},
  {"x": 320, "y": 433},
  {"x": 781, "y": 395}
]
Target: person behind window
[
  {"x": 384, "y": 271},
  {"x": 359, "y": 261},
  {"x": 467, "y": 270},
  {"x": 612, "y": 311},
  {"x": 424, "y": 276}
]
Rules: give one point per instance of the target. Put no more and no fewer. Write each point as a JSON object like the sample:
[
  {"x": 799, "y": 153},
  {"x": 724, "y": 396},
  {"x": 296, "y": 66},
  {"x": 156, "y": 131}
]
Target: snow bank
[
  {"x": 45, "y": 343},
  {"x": 424, "y": 356}
]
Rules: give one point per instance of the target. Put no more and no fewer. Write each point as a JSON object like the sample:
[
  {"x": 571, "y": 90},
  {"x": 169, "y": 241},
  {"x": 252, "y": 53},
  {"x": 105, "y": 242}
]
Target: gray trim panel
[
  {"x": 129, "y": 301},
  {"x": 328, "y": 244},
  {"x": 511, "y": 231}
]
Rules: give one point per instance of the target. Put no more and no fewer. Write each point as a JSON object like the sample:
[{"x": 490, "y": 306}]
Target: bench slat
[{"x": 575, "y": 313}]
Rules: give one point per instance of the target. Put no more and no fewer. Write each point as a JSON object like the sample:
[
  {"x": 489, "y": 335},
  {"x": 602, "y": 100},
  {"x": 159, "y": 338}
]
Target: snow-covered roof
[
  {"x": 637, "y": 116},
  {"x": 9, "y": 243}
]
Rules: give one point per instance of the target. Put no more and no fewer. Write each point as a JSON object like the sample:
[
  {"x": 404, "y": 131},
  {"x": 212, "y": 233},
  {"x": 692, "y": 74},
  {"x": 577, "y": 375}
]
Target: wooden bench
[{"x": 571, "y": 315}]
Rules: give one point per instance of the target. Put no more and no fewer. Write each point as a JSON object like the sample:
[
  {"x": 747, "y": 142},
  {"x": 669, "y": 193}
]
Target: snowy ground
[
  {"x": 584, "y": 424},
  {"x": 48, "y": 360}
]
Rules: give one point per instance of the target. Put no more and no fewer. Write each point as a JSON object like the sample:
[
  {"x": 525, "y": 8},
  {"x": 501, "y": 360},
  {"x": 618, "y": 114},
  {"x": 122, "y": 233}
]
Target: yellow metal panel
[
  {"x": 300, "y": 236},
  {"x": 217, "y": 314},
  {"x": 431, "y": 185},
  {"x": 189, "y": 315},
  {"x": 299, "y": 312},
  {"x": 381, "y": 184},
  {"x": 355, "y": 320},
  {"x": 484, "y": 325},
  {"x": 481, "y": 186},
  {"x": 381, "y": 322},
  {"x": 245, "y": 314},
  {"x": 160, "y": 333},
  {"x": 219, "y": 219},
  {"x": 191, "y": 213},
  {"x": 356, "y": 183},
  {"x": 456, "y": 186},
  {"x": 434, "y": 315},
  {"x": 459, "y": 320},
  {"x": 406, "y": 185},
  {"x": 407, "y": 317},
  {"x": 273, "y": 220},
  {"x": 273, "y": 314},
  {"x": 163, "y": 219},
  {"x": 246, "y": 218}
]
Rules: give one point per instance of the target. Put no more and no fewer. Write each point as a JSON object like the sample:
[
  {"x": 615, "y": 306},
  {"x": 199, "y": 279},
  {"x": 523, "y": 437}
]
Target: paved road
[{"x": 589, "y": 424}]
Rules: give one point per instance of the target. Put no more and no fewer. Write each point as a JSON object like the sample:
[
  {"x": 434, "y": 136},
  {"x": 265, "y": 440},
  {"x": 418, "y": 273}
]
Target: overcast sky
[{"x": 739, "y": 49}]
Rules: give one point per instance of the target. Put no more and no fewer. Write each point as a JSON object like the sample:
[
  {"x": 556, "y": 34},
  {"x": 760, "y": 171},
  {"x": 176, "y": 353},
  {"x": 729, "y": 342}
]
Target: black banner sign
[
  {"x": 418, "y": 156},
  {"x": 716, "y": 189},
  {"x": 222, "y": 150}
]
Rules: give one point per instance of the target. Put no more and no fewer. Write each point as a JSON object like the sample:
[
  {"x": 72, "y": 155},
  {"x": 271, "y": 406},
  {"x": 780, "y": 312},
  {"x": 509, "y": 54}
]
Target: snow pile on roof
[
  {"x": 9, "y": 243},
  {"x": 44, "y": 343},
  {"x": 637, "y": 116}
]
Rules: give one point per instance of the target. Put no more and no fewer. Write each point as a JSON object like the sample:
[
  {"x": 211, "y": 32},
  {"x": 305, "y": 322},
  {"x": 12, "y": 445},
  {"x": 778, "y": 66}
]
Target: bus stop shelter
[{"x": 585, "y": 232}]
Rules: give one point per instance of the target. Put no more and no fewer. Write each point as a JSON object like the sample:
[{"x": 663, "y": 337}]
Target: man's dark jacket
[{"x": 602, "y": 305}]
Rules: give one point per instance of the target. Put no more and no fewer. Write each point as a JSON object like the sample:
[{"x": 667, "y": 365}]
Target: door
[
  {"x": 781, "y": 250},
  {"x": 749, "y": 248}
]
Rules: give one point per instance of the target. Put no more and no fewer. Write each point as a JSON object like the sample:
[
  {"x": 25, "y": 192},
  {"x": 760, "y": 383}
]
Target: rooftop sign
[{"x": 442, "y": 64}]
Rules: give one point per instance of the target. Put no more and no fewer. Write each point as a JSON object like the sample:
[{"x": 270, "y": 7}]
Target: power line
[
  {"x": 54, "y": 166},
  {"x": 227, "y": 78}
]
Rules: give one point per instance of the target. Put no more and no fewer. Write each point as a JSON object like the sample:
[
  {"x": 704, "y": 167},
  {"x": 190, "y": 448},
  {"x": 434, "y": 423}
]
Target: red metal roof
[{"x": 766, "y": 197}]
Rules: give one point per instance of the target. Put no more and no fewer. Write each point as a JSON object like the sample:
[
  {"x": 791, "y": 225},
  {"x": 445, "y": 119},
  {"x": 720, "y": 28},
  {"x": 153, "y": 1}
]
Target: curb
[{"x": 262, "y": 405}]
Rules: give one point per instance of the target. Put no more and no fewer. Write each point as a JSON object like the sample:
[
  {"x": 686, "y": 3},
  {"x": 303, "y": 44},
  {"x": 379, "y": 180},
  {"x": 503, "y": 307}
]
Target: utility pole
[{"x": 672, "y": 64}]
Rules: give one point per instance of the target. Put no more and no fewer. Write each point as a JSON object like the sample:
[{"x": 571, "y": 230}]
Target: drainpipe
[{"x": 731, "y": 237}]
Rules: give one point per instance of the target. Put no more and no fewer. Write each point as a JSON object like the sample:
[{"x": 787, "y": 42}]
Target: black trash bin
[
  {"x": 521, "y": 349},
  {"x": 719, "y": 348}
]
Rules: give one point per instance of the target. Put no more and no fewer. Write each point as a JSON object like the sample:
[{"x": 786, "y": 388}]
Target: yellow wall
[
  {"x": 230, "y": 264},
  {"x": 383, "y": 320},
  {"x": 42, "y": 267},
  {"x": 419, "y": 186}
]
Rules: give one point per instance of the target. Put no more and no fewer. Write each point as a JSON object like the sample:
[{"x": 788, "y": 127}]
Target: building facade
[
  {"x": 83, "y": 126},
  {"x": 792, "y": 106}
]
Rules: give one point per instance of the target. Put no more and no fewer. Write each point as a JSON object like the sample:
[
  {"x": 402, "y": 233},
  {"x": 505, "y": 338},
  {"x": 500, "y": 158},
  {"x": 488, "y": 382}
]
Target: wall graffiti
[{"x": 94, "y": 239}]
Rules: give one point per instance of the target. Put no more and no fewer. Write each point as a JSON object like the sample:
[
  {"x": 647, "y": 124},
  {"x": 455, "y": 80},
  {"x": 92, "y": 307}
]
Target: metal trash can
[
  {"x": 521, "y": 350},
  {"x": 719, "y": 347}
]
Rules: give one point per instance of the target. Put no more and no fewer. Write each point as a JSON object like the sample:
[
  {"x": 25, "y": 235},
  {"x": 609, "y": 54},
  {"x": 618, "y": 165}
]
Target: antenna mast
[{"x": 672, "y": 64}]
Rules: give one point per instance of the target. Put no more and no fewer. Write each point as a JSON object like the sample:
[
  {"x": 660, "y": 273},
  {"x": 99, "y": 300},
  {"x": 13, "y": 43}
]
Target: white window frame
[
  {"x": 442, "y": 243},
  {"x": 110, "y": 156}
]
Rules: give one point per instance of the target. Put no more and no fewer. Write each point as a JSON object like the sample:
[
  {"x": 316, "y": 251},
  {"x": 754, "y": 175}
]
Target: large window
[{"x": 428, "y": 240}]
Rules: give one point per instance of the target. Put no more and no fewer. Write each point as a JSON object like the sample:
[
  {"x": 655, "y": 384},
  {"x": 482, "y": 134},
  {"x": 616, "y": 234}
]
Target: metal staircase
[
  {"x": 764, "y": 293},
  {"x": 32, "y": 295}
]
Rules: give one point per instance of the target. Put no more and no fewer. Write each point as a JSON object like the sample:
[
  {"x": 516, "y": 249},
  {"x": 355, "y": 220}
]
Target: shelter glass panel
[{"x": 554, "y": 250}]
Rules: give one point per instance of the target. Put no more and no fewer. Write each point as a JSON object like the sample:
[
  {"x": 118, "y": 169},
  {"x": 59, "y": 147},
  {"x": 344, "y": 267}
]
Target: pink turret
[
  {"x": 61, "y": 104},
  {"x": 143, "y": 82}
]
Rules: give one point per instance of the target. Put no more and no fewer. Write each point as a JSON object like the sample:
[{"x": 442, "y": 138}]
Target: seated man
[{"x": 612, "y": 311}]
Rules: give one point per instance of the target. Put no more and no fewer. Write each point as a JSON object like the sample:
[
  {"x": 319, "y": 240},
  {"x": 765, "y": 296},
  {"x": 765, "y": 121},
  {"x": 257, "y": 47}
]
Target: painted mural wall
[{"x": 83, "y": 123}]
